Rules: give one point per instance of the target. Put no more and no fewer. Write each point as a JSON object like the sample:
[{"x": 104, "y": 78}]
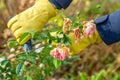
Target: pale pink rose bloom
[
  {"x": 77, "y": 33},
  {"x": 89, "y": 30},
  {"x": 60, "y": 53}
]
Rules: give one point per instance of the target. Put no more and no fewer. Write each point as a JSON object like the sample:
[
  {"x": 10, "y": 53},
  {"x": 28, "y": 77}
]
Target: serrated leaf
[{"x": 20, "y": 68}]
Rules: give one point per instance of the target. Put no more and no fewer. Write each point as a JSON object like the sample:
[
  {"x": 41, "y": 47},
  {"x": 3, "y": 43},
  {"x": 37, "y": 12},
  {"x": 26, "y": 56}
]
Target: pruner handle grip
[{"x": 28, "y": 46}]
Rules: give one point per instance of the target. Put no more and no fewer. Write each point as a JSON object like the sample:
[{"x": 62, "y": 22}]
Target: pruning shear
[{"x": 28, "y": 46}]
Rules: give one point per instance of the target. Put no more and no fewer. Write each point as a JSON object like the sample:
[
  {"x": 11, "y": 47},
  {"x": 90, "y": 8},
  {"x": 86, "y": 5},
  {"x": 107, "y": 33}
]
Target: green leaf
[
  {"x": 67, "y": 40},
  {"x": 71, "y": 18},
  {"x": 29, "y": 78},
  {"x": 51, "y": 38},
  {"x": 98, "y": 6},
  {"x": 75, "y": 58},
  {"x": 6, "y": 63},
  {"x": 28, "y": 57},
  {"x": 42, "y": 36},
  {"x": 93, "y": 77},
  {"x": 12, "y": 43},
  {"x": 82, "y": 76},
  {"x": 59, "y": 40},
  {"x": 22, "y": 57},
  {"x": 1, "y": 69},
  {"x": 19, "y": 69},
  {"x": 57, "y": 63},
  {"x": 100, "y": 75},
  {"x": 9, "y": 77},
  {"x": 76, "y": 25},
  {"x": 31, "y": 59},
  {"x": 34, "y": 34},
  {"x": 67, "y": 63}
]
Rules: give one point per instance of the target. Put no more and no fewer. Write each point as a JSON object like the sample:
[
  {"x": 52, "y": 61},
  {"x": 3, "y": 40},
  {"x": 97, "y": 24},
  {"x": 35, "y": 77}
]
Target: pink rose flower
[
  {"x": 77, "y": 33},
  {"x": 60, "y": 53},
  {"x": 89, "y": 29}
]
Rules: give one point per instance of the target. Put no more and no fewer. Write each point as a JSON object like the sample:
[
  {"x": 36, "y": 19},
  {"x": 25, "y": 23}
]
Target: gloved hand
[
  {"x": 77, "y": 46},
  {"x": 88, "y": 39},
  {"x": 32, "y": 19}
]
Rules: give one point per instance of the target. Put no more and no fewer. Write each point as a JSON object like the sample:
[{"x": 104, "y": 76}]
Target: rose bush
[{"x": 45, "y": 57}]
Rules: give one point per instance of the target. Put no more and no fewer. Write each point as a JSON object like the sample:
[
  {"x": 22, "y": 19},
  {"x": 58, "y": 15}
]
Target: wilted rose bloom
[
  {"x": 89, "y": 29},
  {"x": 66, "y": 25},
  {"x": 60, "y": 53},
  {"x": 66, "y": 22},
  {"x": 77, "y": 33}
]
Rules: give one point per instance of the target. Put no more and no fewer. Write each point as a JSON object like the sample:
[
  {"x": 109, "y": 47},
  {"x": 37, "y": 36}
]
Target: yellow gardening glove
[
  {"x": 32, "y": 19},
  {"x": 77, "y": 47}
]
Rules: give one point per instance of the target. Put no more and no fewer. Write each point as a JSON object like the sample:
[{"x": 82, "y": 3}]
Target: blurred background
[{"x": 93, "y": 60}]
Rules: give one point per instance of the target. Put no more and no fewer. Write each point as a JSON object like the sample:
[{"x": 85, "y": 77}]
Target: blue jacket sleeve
[
  {"x": 109, "y": 27},
  {"x": 61, "y": 3}
]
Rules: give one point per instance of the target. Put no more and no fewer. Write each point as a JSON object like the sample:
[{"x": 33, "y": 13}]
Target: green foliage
[
  {"x": 12, "y": 43},
  {"x": 57, "y": 63},
  {"x": 5, "y": 70},
  {"x": 82, "y": 76},
  {"x": 20, "y": 68}
]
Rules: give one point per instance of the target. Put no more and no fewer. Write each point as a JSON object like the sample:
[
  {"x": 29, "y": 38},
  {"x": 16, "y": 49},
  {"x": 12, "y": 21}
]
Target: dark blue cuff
[
  {"x": 61, "y": 3},
  {"x": 109, "y": 27}
]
